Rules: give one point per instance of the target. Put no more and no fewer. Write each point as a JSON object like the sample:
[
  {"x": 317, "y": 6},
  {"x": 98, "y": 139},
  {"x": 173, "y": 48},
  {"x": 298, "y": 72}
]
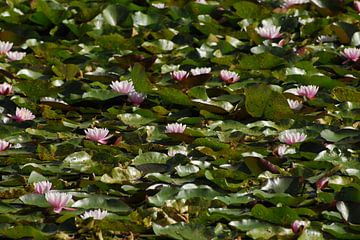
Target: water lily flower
[
  {"x": 175, "y": 128},
  {"x": 308, "y": 91},
  {"x": 136, "y": 98},
  {"x": 58, "y": 200},
  {"x": 291, "y": 137},
  {"x": 124, "y": 87},
  {"x": 357, "y": 6},
  {"x": 199, "y": 71},
  {"x": 6, "y": 89},
  {"x": 229, "y": 77},
  {"x": 289, "y": 3},
  {"x": 15, "y": 56},
  {"x": 352, "y": 54},
  {"x": 298, "y": 226},
  {"x": 281, "y": 150},
  {"x": 295, "y": 104},
  {"x": 179, "y": 75},
  {"x": 269, "y": 31},
  {"x": 4, "y": 145},
  {"x": 42, "y": 187},
  {"x": 95, "y": 214},
  {"x": 23, "y": 114},
  {"x": 5, "y": 47},
  {"x": 100, "y": 135}
]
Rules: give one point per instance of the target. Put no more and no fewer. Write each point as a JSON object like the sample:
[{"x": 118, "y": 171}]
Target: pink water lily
[
  {"x": 95, "y": 214},
  {"x": 15, "y": 56},
  {"x": 292, "y": 137},
  {"x": 357, "y": 6},
  {"x": 42, "y": 187},
  {"x": 5, "y": 47},
  {"x": 199, "y": 71},
  {"x": 352, "y": 54},
  {"x": 295, "y": 104},
  {"x": 136, "y": 98},
  {"x": 298, "y": 226},
  {"x": 309, "y": 91},
  {"x": 289, "y": 3},
  {"x": 58, "y": 200},
  {"x": 229, "y": 76},
  {"x": 322, "y": 183},
  {"x": 124, "y": 87},
  {"x": 179, "y": 75},
  {"x": 6, "y": 89},
  {"x": 100, "y": 135},
  {"x": 175, "y": 128},
  {"x": 4, "y": 145},
  {"x": 269, "y": 31},
  {"x": 23, "y": 114}
]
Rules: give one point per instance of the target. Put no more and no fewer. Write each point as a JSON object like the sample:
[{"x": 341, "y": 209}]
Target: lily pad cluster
[{"x": 223, "y": 119}]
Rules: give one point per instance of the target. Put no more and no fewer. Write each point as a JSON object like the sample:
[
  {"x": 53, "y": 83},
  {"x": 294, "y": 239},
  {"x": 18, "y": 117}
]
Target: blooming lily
[
  {"x": 175, "y": 128},
  {"x": 124, "y": 87},
  {"x": 5, "y": 47},
  {"x": 100, "y": 135},
  {"x": 95, "y": 214},
  {"x": 269, "y": 31},
  {"x": 199, "y": 71},
  {"x": 4, "y": 145},
  {"x": 295, "y": 104},
  {"x": 58, "y": 200},
  {"x": 291, "y": 137},
  {"x": 15, "y": 56},
  {"x": 352, "y": 54},
  {"x": 42, "y": 187},
  {"x": 136, "y": 98},
  {"x": 23, "y": 114},
  {"x": 229, "y": 77},
  {"x": 308, "y": 91},
  {"x": 6, "y": 89},
  {"x": 179, "y": 75}
]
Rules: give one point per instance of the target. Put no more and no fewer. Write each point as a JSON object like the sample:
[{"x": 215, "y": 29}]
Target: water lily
[
  {"x": 309, "y": 91},
  {"x": 352, "y": 54},
  {"x": 175, "y": 128},
  {"x": 229, "y": 76},
  {"x": 179, "y": 75},
  {"x": 124, "y": 87},
  {"x": 4, "y": 145},
  {"x": 23, "y": 114},
  {"x": 42, "y": 187},
  {"x": 6, "y": 89},
  {"x": 298, "y": 226},
  {"x": 100, "y": 135},
  {"x": 58, "y": 200},
  {"x": 292, "y": 137},
  {"x": 5, "y": 47},
  {"x": 295, "y": 104},
  {"x": 281, "y": 150},
  {"x": 95, "y": 214},
  {"x": 199, "y": 71},
  {"x": 357, "y": 6},
  {"x": 269, "y": 31},
  {"x": 136, "y": 98},
  {"x": 289, "y": 3},
  {"x": 15, "y": 56}
]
